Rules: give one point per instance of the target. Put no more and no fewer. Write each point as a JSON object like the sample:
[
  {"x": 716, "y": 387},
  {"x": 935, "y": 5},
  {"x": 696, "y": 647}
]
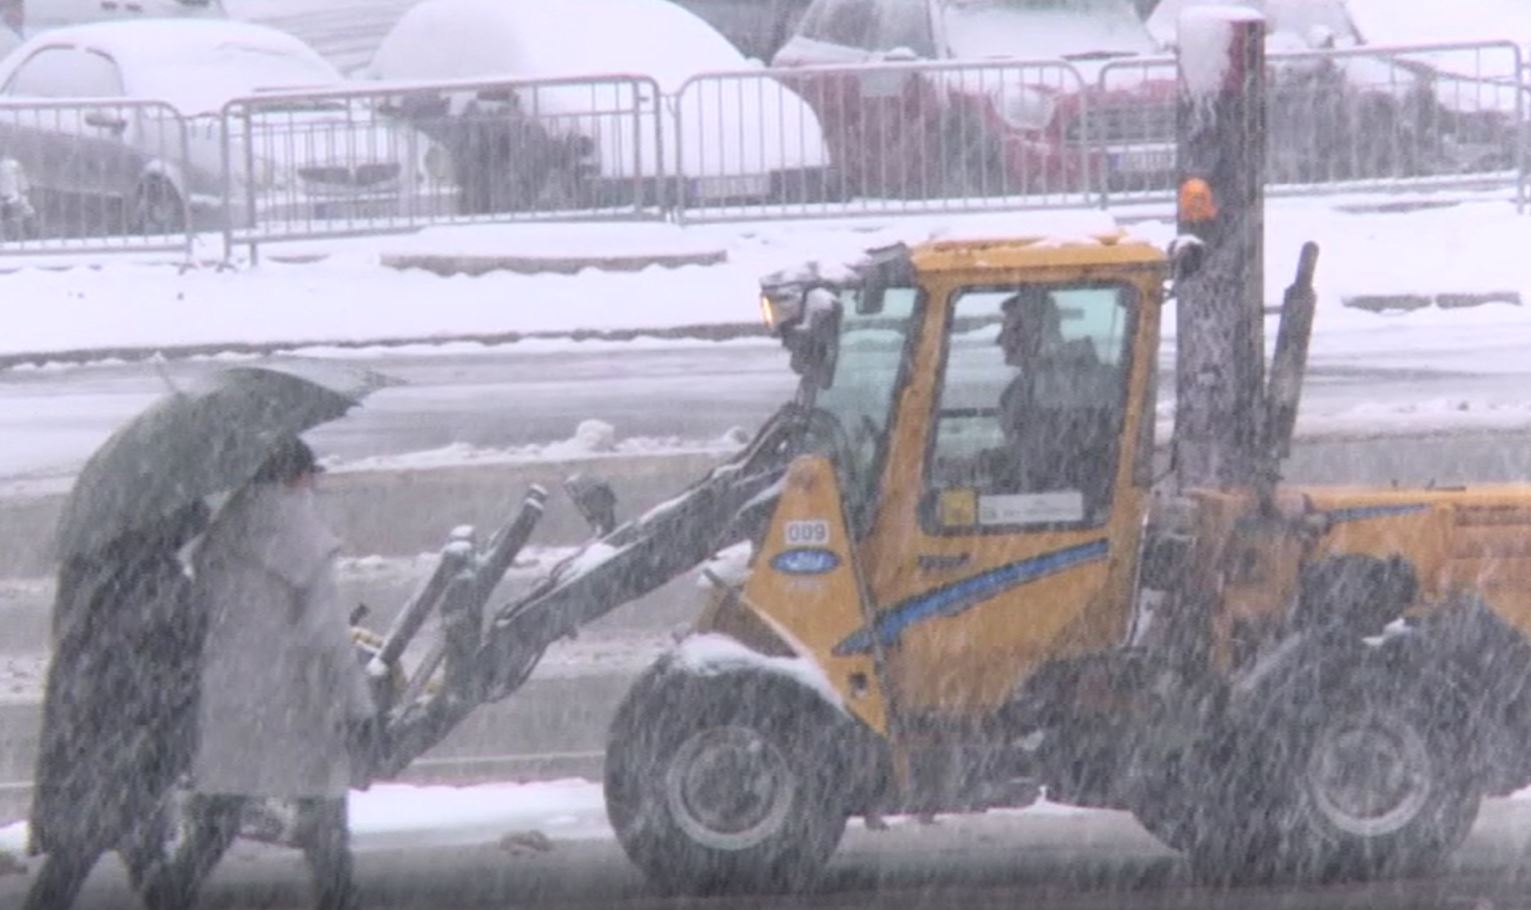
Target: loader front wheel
[{"x": 725, "y": 783}]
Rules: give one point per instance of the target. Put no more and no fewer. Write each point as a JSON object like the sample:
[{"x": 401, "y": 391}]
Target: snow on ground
[
  {"x": 591, "y": 439},
  {"x": 347, "y": 297},
  {"x": 517, "y": 816}
]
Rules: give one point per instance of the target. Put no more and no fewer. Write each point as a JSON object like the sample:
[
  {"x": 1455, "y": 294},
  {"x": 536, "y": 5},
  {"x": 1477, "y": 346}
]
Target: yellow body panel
[
  {"x": 804, "y": 585},
  {"x": 933, "y": 616}
]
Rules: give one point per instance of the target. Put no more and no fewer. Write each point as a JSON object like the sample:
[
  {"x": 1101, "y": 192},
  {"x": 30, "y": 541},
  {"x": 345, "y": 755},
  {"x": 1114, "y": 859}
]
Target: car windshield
[{"x": 1040, "y": 29}]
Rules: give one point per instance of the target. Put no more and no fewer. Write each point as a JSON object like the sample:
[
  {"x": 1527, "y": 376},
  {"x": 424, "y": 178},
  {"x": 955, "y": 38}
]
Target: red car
[{"x": 962, "y": 110}]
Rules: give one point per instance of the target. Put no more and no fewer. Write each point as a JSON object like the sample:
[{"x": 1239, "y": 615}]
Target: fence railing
[
  {"x": 871, "y": 138},
  {"x": 388, "y": 157},
  {"x": 90, "y": 175},
  {"x": 85, "y": 175}
]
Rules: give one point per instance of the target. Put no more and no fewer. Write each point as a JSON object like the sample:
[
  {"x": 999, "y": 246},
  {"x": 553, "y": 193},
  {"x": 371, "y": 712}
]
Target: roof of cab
[{"x": 1115, "y": 248}]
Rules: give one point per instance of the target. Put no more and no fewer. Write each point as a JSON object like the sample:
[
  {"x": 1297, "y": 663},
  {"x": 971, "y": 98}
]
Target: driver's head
[{"x": 1032, "y": 325}]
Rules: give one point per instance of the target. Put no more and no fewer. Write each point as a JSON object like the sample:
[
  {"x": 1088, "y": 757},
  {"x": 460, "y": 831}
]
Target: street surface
[
  {"x": 1002, "y": 859},
  {"x": 513, "y": 396}
]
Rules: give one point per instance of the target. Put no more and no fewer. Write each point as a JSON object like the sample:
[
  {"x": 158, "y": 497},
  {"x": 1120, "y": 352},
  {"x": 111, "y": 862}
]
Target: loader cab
[{"x": 995, "y": 405}]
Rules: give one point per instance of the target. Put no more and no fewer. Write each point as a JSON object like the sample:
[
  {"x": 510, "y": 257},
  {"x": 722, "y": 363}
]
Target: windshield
[
  {"x": 867, "y": 371},
  {"x": 1044, "y": 29}
]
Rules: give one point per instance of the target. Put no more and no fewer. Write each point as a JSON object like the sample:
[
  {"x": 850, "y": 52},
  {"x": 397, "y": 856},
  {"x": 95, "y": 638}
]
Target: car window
[
  {"x": 905, "y": 24},
  {"x": 852, "y": 23},
  {"x": 66, "y": 72}
]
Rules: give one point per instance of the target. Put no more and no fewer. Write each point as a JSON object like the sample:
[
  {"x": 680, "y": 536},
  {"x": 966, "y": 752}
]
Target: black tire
[
  {"x": 157, "y": 208},
  {"x": 1416, "y": 798},
  {"x": 1364, "y": 781},
  {"x": 679, "y": 735}
]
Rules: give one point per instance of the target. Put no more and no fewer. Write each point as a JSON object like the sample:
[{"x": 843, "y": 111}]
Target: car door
[{"x": 72, "y": 154}]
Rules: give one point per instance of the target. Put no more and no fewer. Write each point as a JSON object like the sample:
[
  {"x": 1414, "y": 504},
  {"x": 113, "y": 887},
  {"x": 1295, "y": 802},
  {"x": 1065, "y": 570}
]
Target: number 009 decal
[{"x": 808, "y": 532}]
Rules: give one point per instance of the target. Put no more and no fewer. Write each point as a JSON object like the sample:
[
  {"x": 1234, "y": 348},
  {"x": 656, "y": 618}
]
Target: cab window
[{"x": 1030, "y": 407}]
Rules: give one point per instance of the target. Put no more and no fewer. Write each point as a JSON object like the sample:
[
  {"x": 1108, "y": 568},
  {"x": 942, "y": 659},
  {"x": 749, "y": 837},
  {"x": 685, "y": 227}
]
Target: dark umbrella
[{"x": 196, "y": 442}]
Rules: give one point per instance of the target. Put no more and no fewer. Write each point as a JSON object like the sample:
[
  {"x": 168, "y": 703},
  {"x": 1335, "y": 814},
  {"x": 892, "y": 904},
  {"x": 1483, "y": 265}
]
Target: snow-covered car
[
  {"x": 589, "y": 140},
  {"x": 1340, "y": 117},
  {"x": 982, "y": 125},
  {"x": 115, "y": 127},
  {"x": 1476, "y": 89}
]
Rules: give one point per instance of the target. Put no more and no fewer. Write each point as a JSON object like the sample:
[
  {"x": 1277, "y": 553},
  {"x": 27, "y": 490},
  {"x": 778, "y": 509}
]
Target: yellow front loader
[{"x": 967, "y": 585}]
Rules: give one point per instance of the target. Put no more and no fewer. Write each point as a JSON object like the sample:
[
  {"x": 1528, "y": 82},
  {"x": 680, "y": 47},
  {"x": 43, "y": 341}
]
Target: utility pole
[{"x": 1219, "y": 382}]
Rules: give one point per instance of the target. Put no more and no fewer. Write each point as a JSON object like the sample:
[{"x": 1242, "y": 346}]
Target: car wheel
[
  {"x": 725, "y": 783},
  {"x": 157, "y": 208}
]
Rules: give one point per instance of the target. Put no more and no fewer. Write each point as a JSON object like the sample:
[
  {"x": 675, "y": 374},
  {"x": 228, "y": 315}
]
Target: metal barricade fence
[
  {"x": 1369, "y": 118},
  {"x": 1134, "y": 122},
  {"x": 389, "y": 157},
  {"x": 95, "y": 175},
  {"x": 1395, "y": 118},
  {"x": 888, "y": 138},
  {"x": 873, "y": 138}
]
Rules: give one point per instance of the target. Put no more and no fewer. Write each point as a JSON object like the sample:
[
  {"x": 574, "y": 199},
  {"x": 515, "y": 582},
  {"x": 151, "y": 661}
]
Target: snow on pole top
[{"x": 1206, "y": 39}]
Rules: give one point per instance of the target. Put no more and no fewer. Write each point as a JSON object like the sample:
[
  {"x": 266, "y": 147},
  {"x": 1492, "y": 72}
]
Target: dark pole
[{"x": 1219, "y": 381}]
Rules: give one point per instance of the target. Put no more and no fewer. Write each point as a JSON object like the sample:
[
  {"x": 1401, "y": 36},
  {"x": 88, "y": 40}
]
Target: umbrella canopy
[{"x": 196, "y": 442}]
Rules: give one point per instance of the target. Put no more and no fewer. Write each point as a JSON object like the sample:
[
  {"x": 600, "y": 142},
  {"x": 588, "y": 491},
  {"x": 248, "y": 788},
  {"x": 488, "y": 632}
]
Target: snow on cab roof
[{"x": 531, "y": 39}]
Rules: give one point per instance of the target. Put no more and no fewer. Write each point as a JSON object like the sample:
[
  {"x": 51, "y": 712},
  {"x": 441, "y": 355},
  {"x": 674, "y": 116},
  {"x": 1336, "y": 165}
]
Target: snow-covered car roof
[
  {"x": 196, "y": 65},
  {"x": 979, "y": 29},
  {"x": 535, "y": 39}
]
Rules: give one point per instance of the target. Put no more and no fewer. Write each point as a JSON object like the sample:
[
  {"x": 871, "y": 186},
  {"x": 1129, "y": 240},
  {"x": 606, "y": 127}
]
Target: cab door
[{"x": 1015, "y": 490}]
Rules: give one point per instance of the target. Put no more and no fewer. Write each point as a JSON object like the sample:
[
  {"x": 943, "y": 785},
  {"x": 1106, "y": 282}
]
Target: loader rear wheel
[
  {"x": 725, "y": 783},
  {"x": 1365, "y": 781},
  {"x": 1382, "y": 787}
]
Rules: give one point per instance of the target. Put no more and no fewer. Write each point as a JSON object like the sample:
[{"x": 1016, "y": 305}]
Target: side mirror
[
  {"x": 813, "y": 340},
  {"x": 595, "y": 500},
  {"x": 106, "y": 120}
]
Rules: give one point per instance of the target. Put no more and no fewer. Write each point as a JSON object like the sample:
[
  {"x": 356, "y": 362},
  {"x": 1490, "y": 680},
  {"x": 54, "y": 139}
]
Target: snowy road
[
  {"x": 693, "y": 392},
  {"x": 1054, "y": 858}
]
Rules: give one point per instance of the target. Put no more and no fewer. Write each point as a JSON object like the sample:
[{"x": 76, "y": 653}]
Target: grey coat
[{"x": 280, "y": 677}]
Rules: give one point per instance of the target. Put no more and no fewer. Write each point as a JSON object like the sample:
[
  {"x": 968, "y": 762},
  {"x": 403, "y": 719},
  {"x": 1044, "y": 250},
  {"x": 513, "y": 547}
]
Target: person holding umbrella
[
  {"x": 118, "y": 709},
  {"x": 283, "y": 693},
  {"x": 129, "y": 623}
]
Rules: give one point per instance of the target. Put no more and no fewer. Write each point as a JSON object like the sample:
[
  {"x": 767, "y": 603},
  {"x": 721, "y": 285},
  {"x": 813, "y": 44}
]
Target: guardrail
[
  {"x": 386, "y": 157},
  {"x": 1375, "y": 118},
  {"x": 888, "y": 137},
  {"x": 95, "y": 175},
  {"x": 884, "y": 138}
]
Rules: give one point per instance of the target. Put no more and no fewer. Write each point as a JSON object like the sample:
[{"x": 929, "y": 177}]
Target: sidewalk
[{"x": 336, "y": 295}]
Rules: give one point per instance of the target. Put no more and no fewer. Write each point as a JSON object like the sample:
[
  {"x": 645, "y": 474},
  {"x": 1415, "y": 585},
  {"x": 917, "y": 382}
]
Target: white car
[
  {"x": 744, "y": 143},
  {"x": 116, "y": 127}
]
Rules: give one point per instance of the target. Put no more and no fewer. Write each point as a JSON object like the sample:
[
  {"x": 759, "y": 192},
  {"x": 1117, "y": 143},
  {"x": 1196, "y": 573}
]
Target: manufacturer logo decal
[{"x": 806, "y": 561}]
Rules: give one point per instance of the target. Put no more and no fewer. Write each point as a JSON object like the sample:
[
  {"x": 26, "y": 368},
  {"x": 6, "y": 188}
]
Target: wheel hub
[
  {"x": 1371, "y": 775},
  {"x": 729, "y": 787}
]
